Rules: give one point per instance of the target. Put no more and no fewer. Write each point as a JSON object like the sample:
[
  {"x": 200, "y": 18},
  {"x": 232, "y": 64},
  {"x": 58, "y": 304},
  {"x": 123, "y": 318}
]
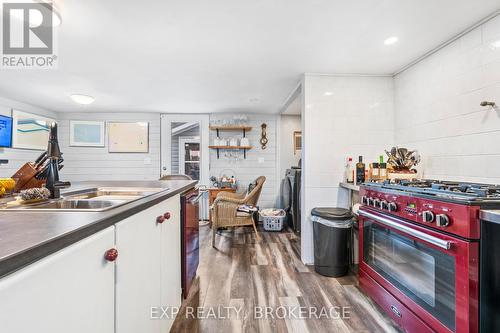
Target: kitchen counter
[
  {"x": 350, "y": 186},
  {"x": 27, "y": 236},
  {"x": 490, "y": 215}
]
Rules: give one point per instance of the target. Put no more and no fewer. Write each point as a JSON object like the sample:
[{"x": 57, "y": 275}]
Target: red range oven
[{"x": 419, "y": 259}]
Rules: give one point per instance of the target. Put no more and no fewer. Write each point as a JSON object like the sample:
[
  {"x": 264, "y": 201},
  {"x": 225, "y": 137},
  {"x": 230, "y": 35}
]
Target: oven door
[{"x": 435, "y": 275}]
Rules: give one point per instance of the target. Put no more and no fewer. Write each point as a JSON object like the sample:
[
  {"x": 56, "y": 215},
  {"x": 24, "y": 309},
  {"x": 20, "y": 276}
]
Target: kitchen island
[{"x": 93, "y": 271}]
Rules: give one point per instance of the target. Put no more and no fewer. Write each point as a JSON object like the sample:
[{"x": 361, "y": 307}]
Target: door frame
[
  {"x": 166, "y": 142},
  {"x": 182, "y": 151}
]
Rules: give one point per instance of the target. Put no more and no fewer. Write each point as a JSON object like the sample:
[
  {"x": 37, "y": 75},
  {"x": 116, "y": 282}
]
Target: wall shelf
[
  {"x": 231, "y": 127},
  {"x": 244, "y": 148},
  {"x": 242, "y": 128}
]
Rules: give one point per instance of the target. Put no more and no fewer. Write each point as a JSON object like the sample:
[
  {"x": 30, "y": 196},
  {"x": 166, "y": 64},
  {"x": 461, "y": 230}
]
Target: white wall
[
  {"x": 246, "y": 170},
  {"x": 17, "y": 157},
  {"x": 438, "y": 112},
  {"x": 356, "y": 119},
  {"x": 90, "y": 163},
  {"x": 288, "y": 125}
]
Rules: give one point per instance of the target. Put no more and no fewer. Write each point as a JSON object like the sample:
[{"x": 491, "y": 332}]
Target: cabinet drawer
[{"x": 406, "y": 319}]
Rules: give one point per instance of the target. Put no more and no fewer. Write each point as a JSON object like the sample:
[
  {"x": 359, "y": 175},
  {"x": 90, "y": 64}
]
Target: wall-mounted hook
[
  {"x": 486, "y": 103},
  {"x": 263, "y": 136}
]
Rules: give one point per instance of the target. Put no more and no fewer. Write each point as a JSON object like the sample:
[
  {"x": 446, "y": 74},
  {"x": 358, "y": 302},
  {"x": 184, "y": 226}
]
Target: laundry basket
[{"x": 273, "y": 219}]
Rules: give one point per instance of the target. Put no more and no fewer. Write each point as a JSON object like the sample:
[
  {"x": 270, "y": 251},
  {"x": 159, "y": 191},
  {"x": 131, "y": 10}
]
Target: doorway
[
  {"x": 189, "y": 156},
  {"x": 184, "y": 146}
]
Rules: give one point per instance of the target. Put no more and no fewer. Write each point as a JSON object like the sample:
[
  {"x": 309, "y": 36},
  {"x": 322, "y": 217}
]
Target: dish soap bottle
[{"x": 360, "y": 171}]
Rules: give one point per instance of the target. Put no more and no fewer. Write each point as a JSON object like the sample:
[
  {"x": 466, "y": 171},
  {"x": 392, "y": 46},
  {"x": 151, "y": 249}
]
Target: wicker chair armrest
[
  {"x": 223, "y": 198},
  {"x": 231, "y": 195}
]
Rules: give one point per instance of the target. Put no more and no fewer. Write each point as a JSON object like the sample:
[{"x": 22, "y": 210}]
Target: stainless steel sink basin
[
  {"x": 91, "y": 200},
  {"x": 76, "y": 204},
  {"x": 113, "y": 192}
]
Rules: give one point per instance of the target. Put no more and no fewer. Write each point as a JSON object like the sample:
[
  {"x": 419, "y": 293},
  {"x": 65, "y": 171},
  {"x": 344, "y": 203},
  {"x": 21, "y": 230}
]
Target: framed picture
[
  {"x": 86, "y": 133},
  {"x": 128, "y": 137},
  {"x": 297, "y": 142},
  {"x": 30, "y": 131}
]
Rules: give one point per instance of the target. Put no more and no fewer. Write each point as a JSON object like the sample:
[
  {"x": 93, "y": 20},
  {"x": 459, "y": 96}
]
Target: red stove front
[{"x": 419, "y": 261}]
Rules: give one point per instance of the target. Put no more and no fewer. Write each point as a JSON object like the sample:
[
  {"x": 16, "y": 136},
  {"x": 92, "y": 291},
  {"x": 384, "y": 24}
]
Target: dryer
[{"x": 292, "y": 205}]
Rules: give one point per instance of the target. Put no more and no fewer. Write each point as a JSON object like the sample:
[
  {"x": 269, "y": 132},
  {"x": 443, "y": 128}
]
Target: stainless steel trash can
[{"x": 332, "y": 228}]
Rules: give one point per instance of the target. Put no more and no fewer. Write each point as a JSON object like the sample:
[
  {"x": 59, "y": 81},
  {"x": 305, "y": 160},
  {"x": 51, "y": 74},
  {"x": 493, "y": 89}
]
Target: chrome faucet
[{"x": 54, "y": 155}]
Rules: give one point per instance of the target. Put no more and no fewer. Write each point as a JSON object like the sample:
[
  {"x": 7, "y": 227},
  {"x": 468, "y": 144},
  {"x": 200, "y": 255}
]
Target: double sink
[{"x": 90, "y": 200}]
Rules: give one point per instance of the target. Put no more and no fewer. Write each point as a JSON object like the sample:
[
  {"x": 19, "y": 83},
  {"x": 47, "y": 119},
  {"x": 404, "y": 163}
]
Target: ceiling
[{"x": 227, "y": 55}]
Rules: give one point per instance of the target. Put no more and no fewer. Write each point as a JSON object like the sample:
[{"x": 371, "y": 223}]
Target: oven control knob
[
  {"x": 427, "y": 216},
  {"x": 392, "y": 207},
  {"x": 376, "y": 203},
  {"x": 442, "y": 220},
  {"x": 364, "y": 199},
  {"x": 384, "y": 204}
]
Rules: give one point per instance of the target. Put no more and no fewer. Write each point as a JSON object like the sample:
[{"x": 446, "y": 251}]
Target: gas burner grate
[{"x": 450, "y": 189}]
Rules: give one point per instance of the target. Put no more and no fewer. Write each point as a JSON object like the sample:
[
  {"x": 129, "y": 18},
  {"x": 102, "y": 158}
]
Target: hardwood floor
[{"x": 243, "y": 278}]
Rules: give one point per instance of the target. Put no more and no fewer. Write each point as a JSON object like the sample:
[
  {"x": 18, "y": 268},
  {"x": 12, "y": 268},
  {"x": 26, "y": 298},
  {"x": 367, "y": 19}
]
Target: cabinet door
[
  {"x": 171, "y": 288},
  {"x": 138, "y": 272},
  {"x": 69, "y": 291}
]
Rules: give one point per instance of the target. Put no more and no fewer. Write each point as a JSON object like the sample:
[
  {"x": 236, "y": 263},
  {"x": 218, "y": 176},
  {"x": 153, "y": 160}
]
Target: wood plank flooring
[{"x": 243, "y": 276}]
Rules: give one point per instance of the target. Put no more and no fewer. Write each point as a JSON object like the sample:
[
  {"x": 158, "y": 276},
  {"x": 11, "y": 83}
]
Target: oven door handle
[{"x": 412, "y": 232}]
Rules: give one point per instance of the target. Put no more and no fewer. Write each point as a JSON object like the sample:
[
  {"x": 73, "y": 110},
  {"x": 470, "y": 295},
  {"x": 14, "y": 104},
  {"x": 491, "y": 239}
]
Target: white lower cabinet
[
  {"x": 148, "y": 271},
  {"x": 78, "y": 290},
  {"x": 69, "y": 291},
  {"x": 170, "y": 256}
]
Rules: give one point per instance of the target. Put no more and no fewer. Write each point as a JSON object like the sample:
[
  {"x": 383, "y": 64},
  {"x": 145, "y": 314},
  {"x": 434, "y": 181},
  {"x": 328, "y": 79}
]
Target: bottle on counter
[
  {"x": 383, "y": 171},
  {"x": 360, "y": 171},
  {"x": 349, "y": 171},
  {"x": 375, "y": 171}
]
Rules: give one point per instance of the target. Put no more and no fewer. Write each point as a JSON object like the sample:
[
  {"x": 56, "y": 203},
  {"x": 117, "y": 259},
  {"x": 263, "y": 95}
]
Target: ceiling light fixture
[
  {"x": 82, "y": 99},
  {"x": 496, "y": 44},
  {"x": 328, "y": 93},
  {"x": 391, "y": 40}
]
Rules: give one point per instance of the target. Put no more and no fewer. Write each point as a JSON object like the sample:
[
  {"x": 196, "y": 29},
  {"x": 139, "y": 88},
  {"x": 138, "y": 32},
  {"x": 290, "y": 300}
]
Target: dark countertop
[
  {"x": 27, "y": 236},
  {"x": 490, "y": 216}
]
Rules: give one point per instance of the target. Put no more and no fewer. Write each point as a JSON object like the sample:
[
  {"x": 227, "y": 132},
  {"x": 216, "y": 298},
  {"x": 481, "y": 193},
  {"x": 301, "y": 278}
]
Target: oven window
[{"x": 425, "y": 275}]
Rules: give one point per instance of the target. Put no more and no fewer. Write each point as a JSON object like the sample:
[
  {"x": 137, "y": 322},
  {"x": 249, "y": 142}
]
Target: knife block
[{"x": 25, "y": 178}]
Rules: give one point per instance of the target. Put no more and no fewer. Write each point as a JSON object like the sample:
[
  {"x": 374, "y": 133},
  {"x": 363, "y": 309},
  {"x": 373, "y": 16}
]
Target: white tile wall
[
  {"x": 438, "y": 112},
  {"x": 90, "y": 163},
  {"x": 17, "y": 157},
  {"x": 246, "y": 170},
  {"x": 356, "y": 119}
]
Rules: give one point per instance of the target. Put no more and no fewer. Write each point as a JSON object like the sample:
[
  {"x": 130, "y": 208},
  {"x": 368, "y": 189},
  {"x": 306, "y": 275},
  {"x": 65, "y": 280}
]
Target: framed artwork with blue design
[
  {"x": 84, "y": 133},
  {"x": 30, "y": 131}
]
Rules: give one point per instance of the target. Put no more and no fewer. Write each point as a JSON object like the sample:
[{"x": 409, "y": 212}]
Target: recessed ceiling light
[
  {"x": 496, "y": 44},
  {"x": 391, "y": 40},
  {"x": 328, "y": 93},
  {"x": 82, "y": 99}
]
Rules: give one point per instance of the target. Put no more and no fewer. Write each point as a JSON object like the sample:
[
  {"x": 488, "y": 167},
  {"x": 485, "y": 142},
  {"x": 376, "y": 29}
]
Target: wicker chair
[{"x": 224, "y": 209}]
